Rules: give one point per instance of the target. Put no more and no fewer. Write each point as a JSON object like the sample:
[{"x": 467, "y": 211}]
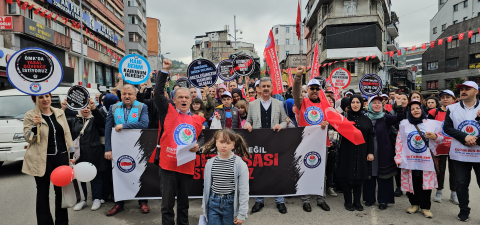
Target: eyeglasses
[
  {"x": 201, "y": 91},
  {"x": 285, "y": 86},
  {"x": 314, "y": 89}
]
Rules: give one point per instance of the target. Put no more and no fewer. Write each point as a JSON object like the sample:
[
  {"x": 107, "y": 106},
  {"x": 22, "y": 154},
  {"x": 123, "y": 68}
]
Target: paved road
[{"x": 17, "y": 194}]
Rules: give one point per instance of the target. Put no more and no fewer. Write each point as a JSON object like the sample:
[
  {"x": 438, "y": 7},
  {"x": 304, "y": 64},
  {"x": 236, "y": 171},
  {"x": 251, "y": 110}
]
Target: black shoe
[
  {"x": 324, "y": 206},
  {"x": 463, "y": 217},
  {"x": 307, "y": 207},
  {"x": 382, "y": 206},
  {"x": 349, "y": 207},
  {"x": 257, "y": 207},
  {"x": 369, "y": 203},
  {"x": 358, "y": 207},
  {"x": 398, "y": 192},
  {"x": 281, "y": 208}
]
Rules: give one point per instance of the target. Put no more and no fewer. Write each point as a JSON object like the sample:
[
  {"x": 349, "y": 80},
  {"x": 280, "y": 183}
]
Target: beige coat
[{"x": 35, "y": 161}]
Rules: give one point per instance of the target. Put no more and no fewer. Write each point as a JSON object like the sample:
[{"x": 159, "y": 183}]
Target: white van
[{"x": 13, "y": 106}]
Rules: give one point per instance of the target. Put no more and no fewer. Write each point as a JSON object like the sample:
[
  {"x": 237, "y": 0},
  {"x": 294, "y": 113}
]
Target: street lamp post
[{"x": 85, "y": 79}]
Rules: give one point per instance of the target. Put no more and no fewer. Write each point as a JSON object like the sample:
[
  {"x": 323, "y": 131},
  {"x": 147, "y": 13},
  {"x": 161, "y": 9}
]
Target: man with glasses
[{"x": 312, "y": 102}]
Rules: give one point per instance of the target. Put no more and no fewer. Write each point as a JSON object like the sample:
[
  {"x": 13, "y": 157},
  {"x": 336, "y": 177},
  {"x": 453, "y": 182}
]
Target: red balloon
[{"x": 62, "y": 176}]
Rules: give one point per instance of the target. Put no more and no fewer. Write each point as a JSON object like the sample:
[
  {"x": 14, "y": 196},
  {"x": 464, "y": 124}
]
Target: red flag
[
  {"x": 386, "y": 53},
  {"x": 340, "y": 123},
  {"x": 399, "y": 52},
  {"x": 290, "y": 78},
  {"x": 460, "y": 36},
  {"x": 299, "y": 18},
  {"x": 470, "y": 34},
  {"x": 373, "y": 56},
  {"x": 432, "y": 44},
  {"x": 368, "y": 57},
  {"x": 424, "y": 46},
  {"x": 406, "y": 49},
  {"x": 24, "y": 5},
  {"x": 335, "y": 62},
  {"x": 346, "y": 60},
  {"x": 19, "y": 3},
  {"x": 10, "y": 2},
  {"x": 440, "y": 41},
  {"x": 270, "y": 55},
  {"x": 315, "y": 64},
  {"x": 324, "y": 64},
  {"x": 330, "y": 64},
  {"x": 414, "y": 47},
  {"x": 49, "y": 16},
  {"x": 37, "y": 10},
  {"x": 391, "y": 54},
  {"x": 449, "y": 39},
  {"x": 360, "y": 57},
  {"x": 43, "y": 13},
  {"x": 30, "y": 7}
]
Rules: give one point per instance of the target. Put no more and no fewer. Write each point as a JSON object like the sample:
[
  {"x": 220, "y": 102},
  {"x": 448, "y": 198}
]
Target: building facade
[
  {"x": 135, "y": 20},
  {"x": 286, "y": 41},
  {"x": 154, "y": 43},
  {"x": 451, "y": 12},
  {"x": 352, "y": 29},
  {"x": 102, "y": 42},
  {"x": 215, "y": 46},
  {"x": 455, "y": 59}
]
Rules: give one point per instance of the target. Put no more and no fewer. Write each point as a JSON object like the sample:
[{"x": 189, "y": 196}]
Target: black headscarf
[
  {"x": 239, "y": 92},
  {"x": 360, "y": 98},
  {"x": 344, "y": 103},
  {"x": 414, "y": 120}
]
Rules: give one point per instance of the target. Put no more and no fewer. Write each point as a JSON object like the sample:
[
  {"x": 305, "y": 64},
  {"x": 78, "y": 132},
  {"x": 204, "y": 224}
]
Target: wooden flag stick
[{"x": 39, "y": 113}]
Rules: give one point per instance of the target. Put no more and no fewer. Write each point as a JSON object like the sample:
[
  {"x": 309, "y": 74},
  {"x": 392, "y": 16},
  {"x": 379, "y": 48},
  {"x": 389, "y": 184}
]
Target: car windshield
[{"x": 15, "y": 107}]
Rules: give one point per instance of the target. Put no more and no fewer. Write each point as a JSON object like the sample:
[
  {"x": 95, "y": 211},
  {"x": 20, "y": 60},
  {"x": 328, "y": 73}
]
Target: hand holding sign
[{"x": 78, "y": 98}]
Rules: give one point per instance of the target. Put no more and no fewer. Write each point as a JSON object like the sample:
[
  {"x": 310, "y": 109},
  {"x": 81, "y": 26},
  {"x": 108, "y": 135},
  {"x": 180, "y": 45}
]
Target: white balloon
[{"x": 85, "y": 171}]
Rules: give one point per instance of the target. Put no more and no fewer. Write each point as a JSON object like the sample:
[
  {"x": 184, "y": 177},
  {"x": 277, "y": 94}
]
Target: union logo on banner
[
  {"x": 313, "y": 115},
  {"x": 126, "y": 163},
  {"x": 469, "y": 127},
  {"x": 184, "y": 134},
  {"x": 312, "y": 160},
  {"x": 415, "y": 142}
]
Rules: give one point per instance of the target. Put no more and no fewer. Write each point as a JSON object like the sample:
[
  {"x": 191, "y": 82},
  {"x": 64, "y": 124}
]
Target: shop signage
[
  {"x": 76, "y": 13},
  {"x": 6, "y": 23},
  {"x": 38, "y": 30}
]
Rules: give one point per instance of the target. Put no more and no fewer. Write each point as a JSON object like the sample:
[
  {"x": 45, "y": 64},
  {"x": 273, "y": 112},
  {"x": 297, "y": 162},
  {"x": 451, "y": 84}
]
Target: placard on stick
[
  {"x": 340, "y": 78},
  {"x": 78, "y": 98},
  {"x": 34, "y": 71},
  {"x": 201, "y": 73},
  {"x": 225, "y": 70},
  {"x": 370, "y": 85},
  {"x": 135, "y": 69},
  {"x": 243, "y": 65}
]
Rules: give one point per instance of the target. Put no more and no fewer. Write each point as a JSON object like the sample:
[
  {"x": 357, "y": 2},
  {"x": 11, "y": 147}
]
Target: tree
[{"x": 452, "y": 85}]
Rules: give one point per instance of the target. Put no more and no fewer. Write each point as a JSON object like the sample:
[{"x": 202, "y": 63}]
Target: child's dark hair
[
  {"x": 198, "y": 101},
  {"x": 240, "y": 146}
]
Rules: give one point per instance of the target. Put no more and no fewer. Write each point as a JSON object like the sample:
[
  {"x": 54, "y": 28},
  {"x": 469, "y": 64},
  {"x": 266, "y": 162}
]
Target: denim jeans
[
  {"x": 95, "y": 185},
  {"x": 220, "y": 209},
  {"x": 278, "y": 200},
  {"x": 464, "y": 173}
]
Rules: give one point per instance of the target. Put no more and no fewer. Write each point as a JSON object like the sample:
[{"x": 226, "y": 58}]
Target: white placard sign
[{"x": 135, "y": 69}]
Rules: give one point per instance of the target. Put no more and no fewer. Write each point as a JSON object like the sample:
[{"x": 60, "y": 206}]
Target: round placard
[
  {"x": 340, "y": 78},
  {"x": 243, "y": 65},
  {"x": 370, "y": 85},
  {"x": 201, "y": 73},
  {"x": 134, "y": 68},
  {"x": 182, "y": 82},
  {"x": 78, "y": 98},
  {"x": 225, "y": 70},
  {"x": 34, "y": 71}
]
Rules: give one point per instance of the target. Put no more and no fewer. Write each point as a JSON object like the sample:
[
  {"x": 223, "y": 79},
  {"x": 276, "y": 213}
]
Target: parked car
[{"x": 13, "y": 106}]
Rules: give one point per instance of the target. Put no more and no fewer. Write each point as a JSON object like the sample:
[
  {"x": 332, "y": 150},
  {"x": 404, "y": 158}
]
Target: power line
[{"x": 417, "y": 10}]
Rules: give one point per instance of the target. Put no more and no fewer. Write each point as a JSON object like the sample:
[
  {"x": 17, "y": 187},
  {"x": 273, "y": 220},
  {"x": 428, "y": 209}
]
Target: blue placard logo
[
  {"x": 184, "y": 134},
  {"x": 415, "y": 142},
  {"x": 469, "y": 127},
  {"x": 126, "y": 163},
  {"x": 35, "y": 87},
  {"x": 312, "y": 160},
  {"x": 135, "y": 69},
  {"x": 313, "y": 115},
  {"x": 201, "y": 73}
]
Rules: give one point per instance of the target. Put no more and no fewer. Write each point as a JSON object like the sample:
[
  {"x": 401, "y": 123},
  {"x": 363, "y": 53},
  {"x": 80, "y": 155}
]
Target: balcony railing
[
  {"x": 332, "y": 15},
  {"x": 62, "y": 40}
]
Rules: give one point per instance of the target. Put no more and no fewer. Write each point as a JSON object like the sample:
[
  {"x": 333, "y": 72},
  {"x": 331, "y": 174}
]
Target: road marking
[{"x": 374, "y": 215}]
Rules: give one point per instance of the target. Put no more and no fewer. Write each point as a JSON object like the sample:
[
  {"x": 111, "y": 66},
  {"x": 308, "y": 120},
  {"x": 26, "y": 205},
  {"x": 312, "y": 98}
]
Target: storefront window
[
  {"x": 99, "y": 75},
  {"x": 108, "y": 76}
]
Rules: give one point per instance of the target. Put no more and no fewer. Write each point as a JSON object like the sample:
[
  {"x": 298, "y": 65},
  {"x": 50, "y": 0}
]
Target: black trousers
[
  {"x": 44, "y": 216},
  {"x": 464, "y": 175},
  {"x": 347, "y": 192},
  {"x": 385, "y": 190},
  {"x": 175, "y": 184},
  {"x": 421, "y": 197},
  {"x": 398, "y": 181},
  {"x": 107, "y": 182},
  {"x": 442, "y": 166}
]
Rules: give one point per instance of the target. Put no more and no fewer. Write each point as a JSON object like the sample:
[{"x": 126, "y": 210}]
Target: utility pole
[
  {"x": 235, "y": 28},
  {"x": 85, "y": 79}
]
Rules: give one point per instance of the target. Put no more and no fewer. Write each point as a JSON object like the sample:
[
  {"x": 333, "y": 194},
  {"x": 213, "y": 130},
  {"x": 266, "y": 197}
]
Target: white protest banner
[{"x": 135, "y": 69}]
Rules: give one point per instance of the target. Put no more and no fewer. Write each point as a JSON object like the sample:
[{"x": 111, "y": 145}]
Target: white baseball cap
[
  {"x": 348, "y": 93},
  {"x": 468, "y": 84},
  {"x": 226, "y": 93},
  {"x": 384, "y": 95},
  {"x": 257, "y": 83},
  {"x": 446, "y": 92},
  {"x": 313, "y": 82}
]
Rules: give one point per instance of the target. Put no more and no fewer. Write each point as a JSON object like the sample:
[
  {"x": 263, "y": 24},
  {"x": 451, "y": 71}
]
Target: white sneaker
[
  {"x": 102, "y": 201},
  {"x": 454, "y": 198},
  {"x": 79, "y": 206},
  {"x": 331, "y": 192},
  {"x": 96, "y": 204},
  {"x": 438, "y": 197}
]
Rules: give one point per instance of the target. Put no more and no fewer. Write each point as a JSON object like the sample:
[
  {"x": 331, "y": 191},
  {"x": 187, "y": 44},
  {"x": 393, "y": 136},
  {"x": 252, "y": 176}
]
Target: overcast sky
[{"x": 183, "y": 20}]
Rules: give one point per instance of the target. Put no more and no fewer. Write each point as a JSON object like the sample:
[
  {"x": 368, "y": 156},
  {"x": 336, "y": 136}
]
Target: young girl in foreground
[{"x": 225, "y": 193}]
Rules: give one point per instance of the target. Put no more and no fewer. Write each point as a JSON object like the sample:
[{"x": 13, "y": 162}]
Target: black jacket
[
  {"x": 91, "y": 148},
  {"x": 352, "y": 165},
  {"x": 153, "y": 116}
]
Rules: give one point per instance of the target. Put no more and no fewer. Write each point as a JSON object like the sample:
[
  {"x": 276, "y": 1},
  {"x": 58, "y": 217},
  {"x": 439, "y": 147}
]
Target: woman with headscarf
[
  {"x": 220, "y": 89},
  {"x": 352, "y": 167},
  {"x": 109, "y": 100},
  {"x": 288, "y": 105},
  {"x": 414, "y": 151},
  {"x": 383, "y": 167},
  {"x": 237, "y": 95}
]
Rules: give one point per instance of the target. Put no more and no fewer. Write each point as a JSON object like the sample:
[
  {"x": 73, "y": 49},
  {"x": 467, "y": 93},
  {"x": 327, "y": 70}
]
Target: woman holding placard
[
  {"x": 41, "y": 158},
  {"x": 86, "y": 128}
]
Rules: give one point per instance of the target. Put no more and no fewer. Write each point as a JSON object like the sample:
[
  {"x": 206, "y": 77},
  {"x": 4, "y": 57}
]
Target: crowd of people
[{"x": 386, "y": 122}]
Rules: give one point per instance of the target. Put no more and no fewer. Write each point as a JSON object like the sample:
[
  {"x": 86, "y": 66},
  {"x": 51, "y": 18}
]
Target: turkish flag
[
  {"x": 432, "y": 44},
  {"x": 315, "y": 64},
  {"x": 460, "y": 36},
  {"x": 449, "y": 39},
  {"x": 413, "y": 47},
  {"x": 470, "y": 34},
  {"x": 368, "y": 57},
  {"x": 299, "y": 18},
  {"x": 399, "y": 52},
  {"x": 270, "y": 56},
  {"x": 24, "y": 5},
  {"x": 324, "y": 64},
  {"x": 43, "y": 13},
  {"x": 424, "y": 46},
  {"x": 360, "y": 57},
  {"x": 391, "y": 53},
  {"x": 49, "y": 16},
  {"x": 440, "y": 41},
  {"x": 406, "y": 49},
  {"x": 10, "y": 2},
  {"x": 339, "y": 122},
  {"x": 31, "y": 6},
  {"x": 330, "y": 64},
  {"x": 373, "y": 56},
  {"x": 37, "y": 10}
]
